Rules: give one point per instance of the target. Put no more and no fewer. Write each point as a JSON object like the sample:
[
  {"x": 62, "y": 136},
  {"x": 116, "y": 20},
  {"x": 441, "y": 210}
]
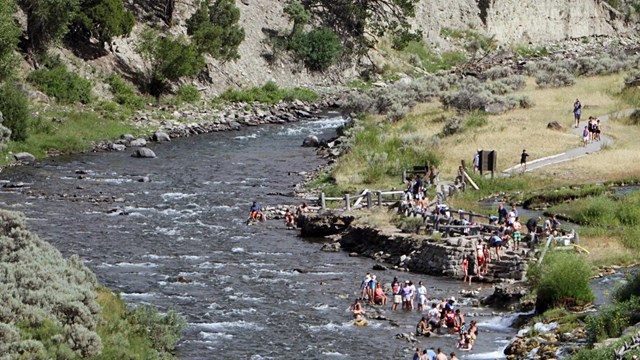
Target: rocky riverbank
[{"x": 404, "y": 251}]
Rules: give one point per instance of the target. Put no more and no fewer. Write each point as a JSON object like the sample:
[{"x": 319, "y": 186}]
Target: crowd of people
[
  {"x": 593, "y": 128},
  {"x": 439, "y": 317}
]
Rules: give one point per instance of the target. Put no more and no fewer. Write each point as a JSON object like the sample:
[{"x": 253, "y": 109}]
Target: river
[{"x": 243, "y": 299}]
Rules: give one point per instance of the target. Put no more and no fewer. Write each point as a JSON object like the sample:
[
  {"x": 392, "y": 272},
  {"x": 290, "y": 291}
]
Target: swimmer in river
[{"x": 356, "y": 309}]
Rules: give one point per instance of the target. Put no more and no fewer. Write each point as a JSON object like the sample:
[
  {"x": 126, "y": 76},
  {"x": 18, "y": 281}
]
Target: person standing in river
[
  {"x": 422, "y": 296},
  {"x": 577, "y": 112}
]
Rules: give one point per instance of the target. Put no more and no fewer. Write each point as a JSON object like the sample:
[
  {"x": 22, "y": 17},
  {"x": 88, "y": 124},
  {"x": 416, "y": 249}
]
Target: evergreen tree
[
  {"x": 169, "y": 58},
  {"x": 360, "y": 23},
  {"x": 103, "y": 20},
  {"x": 47, "y": 21},
  {"x": 9, "y": 33},
  {"x": 215, "y": 31}
]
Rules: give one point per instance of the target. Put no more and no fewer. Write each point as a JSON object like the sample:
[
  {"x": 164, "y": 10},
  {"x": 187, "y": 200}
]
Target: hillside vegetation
[{"x": 53, "y": 308}]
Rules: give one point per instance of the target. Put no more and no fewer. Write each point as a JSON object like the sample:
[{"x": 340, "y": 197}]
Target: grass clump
[
  {"x": 562, "y": 275},
  {"x": 269, "y": 93},
  {"x": 123, "y": 93},
  {"x": 425, "y": 58},
  {"x": 78, "y": 131},
  {"x": 66, "y": 86},
  {"x": 188, "y": 94}
]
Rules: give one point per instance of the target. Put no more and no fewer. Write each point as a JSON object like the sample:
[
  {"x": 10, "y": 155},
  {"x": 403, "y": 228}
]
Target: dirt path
[{"x": 574, "y": 153}]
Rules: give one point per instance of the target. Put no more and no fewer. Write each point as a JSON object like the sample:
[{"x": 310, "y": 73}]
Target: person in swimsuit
[
  {"x": 379, "y": 297},
  {"x": 516, "y": 234},
  {"x": 422, "y": 329},
  {"x": 356, "y": 309}
]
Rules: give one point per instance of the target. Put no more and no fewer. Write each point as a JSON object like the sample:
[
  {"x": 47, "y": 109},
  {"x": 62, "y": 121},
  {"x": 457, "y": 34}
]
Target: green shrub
[
  {"x": 498, "y": 72},
  {"x": 123, "y": 93},
  {"x": 613, "y": 319},
  {"x": 66, "y": 86},
  {"x": 214, "y": 29},
  {"x": 9, "y": 33},
  {"x": 164, "y": 331},
  {"x": 318, "y": 48},
  {"x": 188, "y": 93},
  {"x": 628, "y": 290},
  {"x": 14, "y": 106},
  {"x": 103, "y": 20},
  {"x": 564, "y": 275},
  {"x": 559, "y": 78},
  {"x": 475, "y": 120}
]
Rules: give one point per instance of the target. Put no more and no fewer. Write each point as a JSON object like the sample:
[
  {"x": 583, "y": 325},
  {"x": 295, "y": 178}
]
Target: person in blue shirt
[{"x": 254, "y": 211}]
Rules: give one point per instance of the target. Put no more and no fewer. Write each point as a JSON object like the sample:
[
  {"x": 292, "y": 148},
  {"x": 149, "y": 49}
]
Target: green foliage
[
  {"x": 103, "y": 19},
  {"x": 14, "y": 106},
  {"x": 79, "y": 132},
  {"x": 123, "y": 93},
  {"x": 164, "y": 331},
  {"x": 628, "y": 290},
  {"x": 527, "y": 51},
  {"x": 298, "y": 15},
  {"x": 361, "y": 23},
  {"x": 47, "y": 21},
  {"x": 563, "y": 275},
  {"x": 470, "y": 39},
  {"x": 475, "y": 120},
  {"x": 9, "y": 32},
  {"x": 188, "y": 93},
  {"x": 318, "y": 48},
  {"x": 268, "y": 93},
  {"x": 613, "y": 319},
  {"x": 170, "y": 59},
  {"x": 66, "y": 86},
  {"x": 215, "y": 31},
  {"x": 432, "y": 62}
]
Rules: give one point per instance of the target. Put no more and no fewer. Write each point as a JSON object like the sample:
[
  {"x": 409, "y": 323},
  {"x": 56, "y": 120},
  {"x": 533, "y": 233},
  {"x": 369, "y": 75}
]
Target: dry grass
[
  {"x": 526, "y": 129},
  {"x": 617, "y": 161},
  {"x": 606, "y": 250}
]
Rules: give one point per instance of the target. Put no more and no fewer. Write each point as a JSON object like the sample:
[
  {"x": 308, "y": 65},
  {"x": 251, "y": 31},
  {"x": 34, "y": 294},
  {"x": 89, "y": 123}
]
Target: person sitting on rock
[
  {"x": 254, "y": 211},
  {"x": 473, "y": 330},
  {"x": 379, "y": 297},
  {"x": 356, "y": 309},
  {"x": 304, "y": 208},
  {"x": 423, "y": 329}
]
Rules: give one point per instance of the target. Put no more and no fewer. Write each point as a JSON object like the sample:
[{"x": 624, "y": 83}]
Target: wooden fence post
[
  {"x": 369, "y": 200},
  {"x": 347, "y": 199},
  {"x": 323, "y": 202},
  {"x": 379, "y": 198}
]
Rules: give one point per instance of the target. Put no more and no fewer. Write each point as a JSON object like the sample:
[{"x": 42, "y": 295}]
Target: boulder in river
[
  {"x": 138, "y": 143},
  {"x": 24, "y": 156},
  {"x": 331, "y": 247},
  {"x": 311, "y": 141},
  {"x": 144, "y": 153},
  {"x": 160, "y": 136},
  {"x": 118, "y": 147},
  {"x": 127, "y": 137}
]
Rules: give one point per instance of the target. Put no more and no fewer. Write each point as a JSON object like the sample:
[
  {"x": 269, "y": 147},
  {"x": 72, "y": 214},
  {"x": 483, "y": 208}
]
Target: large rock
[
  {"x": 554, "y": 125},
  {"x": 138, "y": 143},
  {"x": 144, "y": 153},
  {"x": 117, "y": 147},
  {"x": 331, "y": 247},
  {"x": 24, "y": 156},
  {"x": 311, "y": 141},
  {"x": 160, "y": 136}
]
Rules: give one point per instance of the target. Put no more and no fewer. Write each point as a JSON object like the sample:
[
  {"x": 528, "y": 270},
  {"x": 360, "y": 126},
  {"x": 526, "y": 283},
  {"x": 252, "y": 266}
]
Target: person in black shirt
[
  {"x": 502, "y": 213},
  {"x": 532, "y": 227},
  {"x": 523, "y": 160}
]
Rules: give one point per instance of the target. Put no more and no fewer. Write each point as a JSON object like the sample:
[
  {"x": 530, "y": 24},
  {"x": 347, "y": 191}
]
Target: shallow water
[{"x": 245, "y": 300}]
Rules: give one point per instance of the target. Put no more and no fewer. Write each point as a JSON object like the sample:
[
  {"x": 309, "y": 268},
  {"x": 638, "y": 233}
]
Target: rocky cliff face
[
  {"x": 510, "y": 21},
  {"x": 521, "y": 21}
]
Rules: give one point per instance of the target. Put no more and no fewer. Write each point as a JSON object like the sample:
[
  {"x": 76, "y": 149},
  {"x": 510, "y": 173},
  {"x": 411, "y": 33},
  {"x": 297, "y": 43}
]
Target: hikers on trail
[
  {"x": 585, "y": 136},
  {"x": 577, "y": 112},
  {"x": 523, "y": 160}
]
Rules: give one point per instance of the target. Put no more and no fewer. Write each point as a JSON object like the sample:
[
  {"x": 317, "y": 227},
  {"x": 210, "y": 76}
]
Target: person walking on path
[
  {"x": 577, "y": 112},
  {"x": 476, "y": 161},
  {"x": 523, "y": 160},
  {"x": 585, "y": 136}
]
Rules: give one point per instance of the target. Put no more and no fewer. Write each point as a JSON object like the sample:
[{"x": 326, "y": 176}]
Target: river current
[{"x": 240, "y": 293}]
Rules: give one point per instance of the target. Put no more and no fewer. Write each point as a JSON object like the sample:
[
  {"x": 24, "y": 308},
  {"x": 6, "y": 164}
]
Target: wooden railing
[{"x": 355, "y": 201}]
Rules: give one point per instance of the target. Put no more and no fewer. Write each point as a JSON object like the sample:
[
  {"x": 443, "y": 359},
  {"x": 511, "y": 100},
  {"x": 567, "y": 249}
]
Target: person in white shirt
[{"x": 422, "y": 296}]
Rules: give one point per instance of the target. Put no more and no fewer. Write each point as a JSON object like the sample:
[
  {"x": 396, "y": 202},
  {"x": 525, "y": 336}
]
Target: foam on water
[
  {"x": 215, "y": 336},
  {"x": 137, "y": 265},
  {"x": 498, "y": 354},
  {"x": 176, "y": 196},
  {"x": 138, "y": 295},
  {"x": 246, "y": 137},
  {"x": 237, "y": 250},
  {"x": 168, "y": 232},
  {"x": 225, "y": 325},
  {"x": 333, "y": 327},
  {"x": 501, "y": 323}
]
